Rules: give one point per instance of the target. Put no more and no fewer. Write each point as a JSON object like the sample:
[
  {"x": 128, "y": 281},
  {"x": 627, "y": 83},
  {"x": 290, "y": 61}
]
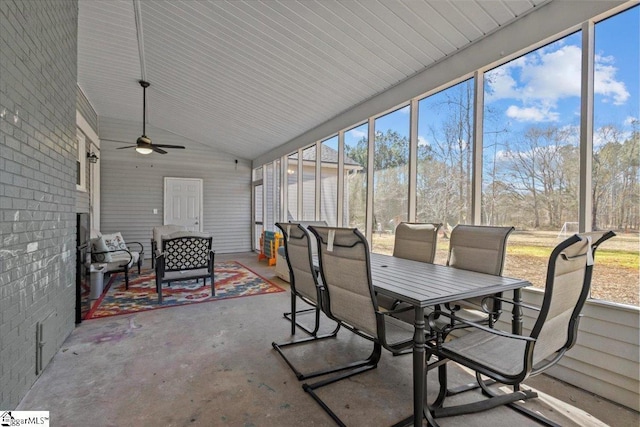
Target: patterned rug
[{"x": 232, "y": 280}]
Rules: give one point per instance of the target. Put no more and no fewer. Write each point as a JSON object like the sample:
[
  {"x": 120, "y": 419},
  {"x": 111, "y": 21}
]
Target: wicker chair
[{"x": 510, "y": 359}]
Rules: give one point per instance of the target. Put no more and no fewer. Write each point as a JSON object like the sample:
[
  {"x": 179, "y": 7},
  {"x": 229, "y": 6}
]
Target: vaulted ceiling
[{"x": 246, "y": 76}]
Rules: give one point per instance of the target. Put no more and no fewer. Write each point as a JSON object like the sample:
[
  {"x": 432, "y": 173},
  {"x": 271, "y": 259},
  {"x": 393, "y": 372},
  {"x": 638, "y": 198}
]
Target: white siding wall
[
  {"x": 132, "y": 185},
  {"x": 605, "y": 359}
]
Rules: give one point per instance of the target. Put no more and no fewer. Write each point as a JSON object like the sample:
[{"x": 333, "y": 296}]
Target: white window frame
[{"x": 82, "y": 159}]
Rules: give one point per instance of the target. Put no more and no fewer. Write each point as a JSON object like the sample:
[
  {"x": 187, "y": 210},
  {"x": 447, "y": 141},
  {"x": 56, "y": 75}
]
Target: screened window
[
  {"x": 615, "y": 194},
  {"x": 443, "y": 186},
  {"x": 356, "y": 149},
  {"x": 309, "y": 184},
  {"x": 531, "y": 153},
  {"x": 329, "y": 181},
  {"x": 292, "y": 187},
  {"x": 390, "y": 177}
]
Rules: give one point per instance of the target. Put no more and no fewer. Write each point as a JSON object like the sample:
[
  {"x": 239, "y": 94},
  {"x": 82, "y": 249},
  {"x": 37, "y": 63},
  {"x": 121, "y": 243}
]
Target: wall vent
[{"x": 45, "y": 342}]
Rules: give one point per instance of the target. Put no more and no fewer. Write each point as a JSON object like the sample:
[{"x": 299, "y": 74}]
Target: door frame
[
  {"x": 200, "y": 195},
  {"x": 254, "y": 222}
]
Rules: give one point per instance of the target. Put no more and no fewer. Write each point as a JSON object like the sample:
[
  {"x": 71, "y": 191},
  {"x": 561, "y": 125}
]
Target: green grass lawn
[
  {"x": 616, "y": 276},
  {"x": 610, "y": 257}
]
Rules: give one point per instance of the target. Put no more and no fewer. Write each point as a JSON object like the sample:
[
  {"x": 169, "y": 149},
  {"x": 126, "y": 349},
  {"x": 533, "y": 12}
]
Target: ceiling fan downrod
[{"x": 144, "y": 85}]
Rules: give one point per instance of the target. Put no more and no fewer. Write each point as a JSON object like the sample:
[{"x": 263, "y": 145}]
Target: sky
[{"x": 542, "y": 88}]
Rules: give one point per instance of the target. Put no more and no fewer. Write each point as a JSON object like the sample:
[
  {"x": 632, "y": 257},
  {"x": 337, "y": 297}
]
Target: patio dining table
[{"x": 425, "y": 285}]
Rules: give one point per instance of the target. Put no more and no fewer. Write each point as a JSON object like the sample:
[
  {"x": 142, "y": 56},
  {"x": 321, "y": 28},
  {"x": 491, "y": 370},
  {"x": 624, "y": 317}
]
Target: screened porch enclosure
[{"x": 510, "y": 144}]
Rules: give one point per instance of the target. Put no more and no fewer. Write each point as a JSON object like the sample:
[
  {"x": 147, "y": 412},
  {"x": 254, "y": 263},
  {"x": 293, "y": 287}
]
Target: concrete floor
[{"x": 212, "y": 364}]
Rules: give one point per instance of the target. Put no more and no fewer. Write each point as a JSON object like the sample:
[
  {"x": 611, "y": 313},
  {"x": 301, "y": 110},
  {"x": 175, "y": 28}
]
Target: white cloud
[
  {"x": 604, "y": 82},
  {"x": 553, "y": 75},
  {"x": 501, "y": 84},
  {"x": 630, "y": 120},
  {"x": 423, "y": 141},
  {"x": 531, "y": 114},
  {"x": 542, "y": 78},
  {"x": 357, "y": 134}
]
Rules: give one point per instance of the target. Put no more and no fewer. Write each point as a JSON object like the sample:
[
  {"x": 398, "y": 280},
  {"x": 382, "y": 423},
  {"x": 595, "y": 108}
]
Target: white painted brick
[{"x": 38, "y": 44}]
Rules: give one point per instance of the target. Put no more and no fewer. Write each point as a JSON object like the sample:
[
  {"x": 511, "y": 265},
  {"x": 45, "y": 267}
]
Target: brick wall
[{"x": 37, "y": 182}]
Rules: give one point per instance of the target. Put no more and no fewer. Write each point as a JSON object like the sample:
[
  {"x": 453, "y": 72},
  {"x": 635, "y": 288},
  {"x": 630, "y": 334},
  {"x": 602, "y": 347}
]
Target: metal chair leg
[
  {"x": 357, "y": 368},
  {"x": 291, "y": 316},
  {"x": 299, "y": 375}
]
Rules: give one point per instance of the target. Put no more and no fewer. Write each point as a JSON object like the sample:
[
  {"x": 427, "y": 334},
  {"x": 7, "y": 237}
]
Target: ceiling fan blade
[
  {"x": 158, "y": 150},
  {"x": 128, "y": 146},
  {"x": 116, "y": 140},
  {"x": 168, "y": 146}
]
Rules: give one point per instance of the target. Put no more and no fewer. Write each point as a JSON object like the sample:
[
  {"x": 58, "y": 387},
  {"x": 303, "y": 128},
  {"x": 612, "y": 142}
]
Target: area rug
[{"x": 232, "y": 280}]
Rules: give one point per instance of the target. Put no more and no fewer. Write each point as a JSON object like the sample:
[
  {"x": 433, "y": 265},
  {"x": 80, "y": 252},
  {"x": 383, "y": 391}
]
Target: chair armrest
[
  {"x": 433, "y": 325},
  {"x": 141, "y": 251},
  {"x": 508, "y": 301},
  {"x": 114, "y": 251}
]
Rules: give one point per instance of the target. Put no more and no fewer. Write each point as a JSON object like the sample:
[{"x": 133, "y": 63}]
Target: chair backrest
[
  {"x": 162, "y": 230},
  {"x": 478, "y": 248},
  {"x": 566, "y": 290},
  {"x": 312, "y": 237},
  {"x": 186, "y": 250},
  {"x": 346, "y": 275},
  {"x": 302, "y": 275},
  {"x": 416, "y": 241}
]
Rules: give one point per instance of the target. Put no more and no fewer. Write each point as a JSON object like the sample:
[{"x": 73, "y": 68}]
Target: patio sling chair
[
  {"x": 186, "y": 255},
  {"x": 478, "y": 248},
  {"x": 349, "y": 299},
  {"x": 509, "y": 358},
  {"x": 415, "y": 241},
  {"x": 303, "y": 280}
]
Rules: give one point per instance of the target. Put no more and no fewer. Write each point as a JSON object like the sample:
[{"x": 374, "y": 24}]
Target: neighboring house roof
[{"x": 329, "y": 155}]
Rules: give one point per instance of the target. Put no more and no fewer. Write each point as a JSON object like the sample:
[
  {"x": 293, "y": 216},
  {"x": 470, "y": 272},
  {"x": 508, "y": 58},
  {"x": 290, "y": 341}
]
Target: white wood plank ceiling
[{"x": 246, "y": 76}]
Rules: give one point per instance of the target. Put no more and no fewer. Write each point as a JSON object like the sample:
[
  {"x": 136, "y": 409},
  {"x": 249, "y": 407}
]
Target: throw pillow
[
  {"x": 114, "y": 241},
  {"x": 99, "y": 245}
]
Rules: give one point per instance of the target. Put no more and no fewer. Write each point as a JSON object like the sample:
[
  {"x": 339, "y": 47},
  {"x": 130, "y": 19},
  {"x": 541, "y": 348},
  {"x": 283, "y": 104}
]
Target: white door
[{"x": 183, "y": 202}]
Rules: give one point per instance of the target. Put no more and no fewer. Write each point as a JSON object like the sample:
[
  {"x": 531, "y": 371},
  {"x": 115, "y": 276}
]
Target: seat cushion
[
  {"x": 123, "y": 256},
  {"x": 185, "y": 274},
  {"x": 116, "y": 265}
]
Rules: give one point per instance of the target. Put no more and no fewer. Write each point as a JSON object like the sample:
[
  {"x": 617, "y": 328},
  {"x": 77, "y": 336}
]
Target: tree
[
  {"x": 543, "y": 172},
  {"x": 615, "y": 188}
]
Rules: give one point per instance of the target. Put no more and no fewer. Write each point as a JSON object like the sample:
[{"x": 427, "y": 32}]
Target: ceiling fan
[{"x": 143, "y": 144}]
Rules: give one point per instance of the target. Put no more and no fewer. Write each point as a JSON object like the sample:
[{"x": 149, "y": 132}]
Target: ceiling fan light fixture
[{"x": 143, "y": 143}]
